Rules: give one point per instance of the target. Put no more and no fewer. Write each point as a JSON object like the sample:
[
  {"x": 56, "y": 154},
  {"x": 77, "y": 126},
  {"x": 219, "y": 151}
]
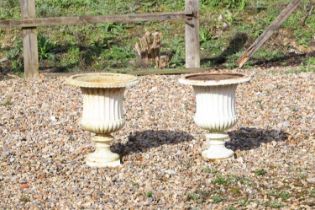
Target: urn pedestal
[
  {"x": 103, "y": 95},
  {"x": 215, "y": 108}
]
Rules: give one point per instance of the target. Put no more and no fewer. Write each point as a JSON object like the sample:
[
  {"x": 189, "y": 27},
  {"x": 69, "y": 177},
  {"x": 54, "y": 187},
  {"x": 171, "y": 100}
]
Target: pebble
[
  {"x": 43, "y": 147},
  {"x": 311, "y": 180}
]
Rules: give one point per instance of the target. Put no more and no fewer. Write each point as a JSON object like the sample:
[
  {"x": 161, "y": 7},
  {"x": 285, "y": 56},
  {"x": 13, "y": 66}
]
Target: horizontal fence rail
[{"x": 80, "y": 20}]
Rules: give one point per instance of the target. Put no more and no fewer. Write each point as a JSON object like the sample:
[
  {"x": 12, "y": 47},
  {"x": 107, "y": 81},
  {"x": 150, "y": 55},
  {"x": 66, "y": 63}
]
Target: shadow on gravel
[
  {"x": 142, "y": 141},
  {"x": 251, "y": 138}
]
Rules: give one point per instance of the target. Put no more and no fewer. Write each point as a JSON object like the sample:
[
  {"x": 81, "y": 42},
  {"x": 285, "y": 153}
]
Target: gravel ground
[{"x": 42, "y": 148}]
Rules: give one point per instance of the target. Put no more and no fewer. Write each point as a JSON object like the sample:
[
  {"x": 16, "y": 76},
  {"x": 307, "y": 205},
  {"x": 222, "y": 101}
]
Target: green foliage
[
  {"x": 72, "y": 57},
  {"x": 260, "y": 172},
  {"x": 221, "y": 180},
  {"x": 231, "y": 182},
  {"x": 268, "y": 55},
  {"x": 193, "y": 196},
  {"x": 14, "y": 55},
  {"x": 7, "y": 102},
  {"x": 303, "y": 34},
  {"x": 44, "y": 47},
  {"x": 243, "y": 202},
  {"x": 9, "y": 9},
  {"x": 205, "y": 35},
  {"x": 111, "y": 45},
  {"x": 210, "y": 170},
  {"x": 116, "y": 53},
  {"x": 310, "y": 61},
  {"x": 231, "y": 4},
  {"x": 283, "y": 195},
  {"x": 274, "y": 204},
  {"x": 117, "y": 56},
  {"x": 199, "y": 196},
  {"x": 149, "y": 194},
  {"x": 158, "y": 5},
  {"x": 308, "y": 65},
  {"x": 113, "y": 28},
  {"x": 178, "y": 50},
  {"x": 217, "y": 199}
]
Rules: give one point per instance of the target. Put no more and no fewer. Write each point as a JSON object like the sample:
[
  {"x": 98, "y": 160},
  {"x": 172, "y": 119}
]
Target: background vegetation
[{"x": 227, "y": 28}]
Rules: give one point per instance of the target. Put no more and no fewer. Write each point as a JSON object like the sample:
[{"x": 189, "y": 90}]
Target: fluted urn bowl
[
  {"x": 103, "y": 95},
  {"x": 215, "y": 108}
]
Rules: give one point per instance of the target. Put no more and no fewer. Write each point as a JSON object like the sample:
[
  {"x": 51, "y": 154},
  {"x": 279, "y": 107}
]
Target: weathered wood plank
[
  {"x": 268, "y": 32},
  {"x": 137, "y": 72},
  {"x": 54, "y": 21},
  {"x": 30, "y": 49},
  {"x": 192, "y": 34}
]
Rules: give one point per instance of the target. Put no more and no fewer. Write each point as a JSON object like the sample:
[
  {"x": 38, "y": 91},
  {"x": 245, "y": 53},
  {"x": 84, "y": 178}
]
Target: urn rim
[
  {"x": 214, "y": 79},
  {"x": 102, "y": 80}
]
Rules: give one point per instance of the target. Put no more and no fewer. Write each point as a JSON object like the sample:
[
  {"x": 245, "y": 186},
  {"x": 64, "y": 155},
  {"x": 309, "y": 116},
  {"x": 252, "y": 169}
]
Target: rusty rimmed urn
[
  {"x": 103, "y": 95},
  {"x": 215, "y": 108}
]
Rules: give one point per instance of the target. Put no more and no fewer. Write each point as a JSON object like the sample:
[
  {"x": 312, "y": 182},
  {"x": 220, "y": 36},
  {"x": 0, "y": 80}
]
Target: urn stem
[
  {"x": 102, "y": 156},
  {"x": 215, "y": 143},
  {"x": 102, "y": 141}
]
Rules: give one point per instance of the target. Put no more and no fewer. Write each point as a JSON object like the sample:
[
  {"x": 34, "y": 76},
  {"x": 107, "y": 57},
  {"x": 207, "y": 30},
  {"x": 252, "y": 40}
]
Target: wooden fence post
[
  {"x": 30, "y": 48},
  {"x": 192, "y": 34}
]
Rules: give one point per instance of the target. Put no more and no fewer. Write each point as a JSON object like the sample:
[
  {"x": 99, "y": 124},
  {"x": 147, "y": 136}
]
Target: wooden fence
[{"x": 29, "y": 23}]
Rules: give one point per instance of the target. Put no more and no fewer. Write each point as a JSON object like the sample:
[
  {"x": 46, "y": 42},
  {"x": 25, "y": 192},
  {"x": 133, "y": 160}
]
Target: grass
[
  {"x": 210, "y": 170},
  {"x": 222, "y": 180},
  {"x": 308, "y": 65},
  {"x": 224, "y": 188},
  {"x": 199, "y": 196},
  {"x": 274, "y": 204},
  {"x": 217, "y": 199},
  {"x": 229, "y": 187},
  {"x": 7, "y": 102},
  {"x": 279, "y": 194},
  {"x": 231, "y": 180},
  {"x": 107, "y": 46},
  {"x": 149, "y": 194},
  {"x": 243, "y": 202},
  {"x": 260, "y": 172},
  {"x": 193, "y": 196}
]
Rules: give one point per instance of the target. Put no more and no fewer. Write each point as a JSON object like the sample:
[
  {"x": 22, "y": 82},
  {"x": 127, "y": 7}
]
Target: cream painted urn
[
  {"x": 103, "y": 113},
  {"x": 215, "y": 108}
]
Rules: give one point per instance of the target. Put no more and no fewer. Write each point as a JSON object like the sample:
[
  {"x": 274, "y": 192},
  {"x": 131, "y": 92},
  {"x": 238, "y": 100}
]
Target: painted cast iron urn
[
  {"x": 103, "y": 95},
  {"x": 215, "y": 108}
]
